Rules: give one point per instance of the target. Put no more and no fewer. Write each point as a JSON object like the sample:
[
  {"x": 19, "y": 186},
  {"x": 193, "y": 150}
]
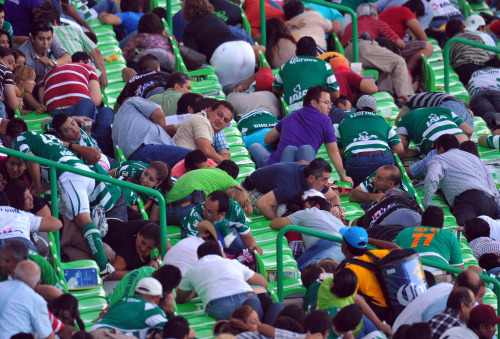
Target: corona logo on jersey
[{"x": 434, "y": 118}]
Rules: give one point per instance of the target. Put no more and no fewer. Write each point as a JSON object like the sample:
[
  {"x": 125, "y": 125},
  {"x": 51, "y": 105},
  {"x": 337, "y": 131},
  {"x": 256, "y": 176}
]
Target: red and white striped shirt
[
  {"x": 371, "y": 26},
  {"x": 66, "y": 84}
]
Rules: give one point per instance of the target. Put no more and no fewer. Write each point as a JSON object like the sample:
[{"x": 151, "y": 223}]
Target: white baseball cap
[
  {"x": 149, "y": 286},
  {"x": 473, "y": 22}
]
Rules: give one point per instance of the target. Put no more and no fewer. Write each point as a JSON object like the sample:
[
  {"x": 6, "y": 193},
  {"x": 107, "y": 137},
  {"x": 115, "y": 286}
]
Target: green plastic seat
[
  {"x": 200, "y": 321},
  {"x": 89, "y": 293},
  {"x": 245, "y": 172},
  {"x": 92, "y": 305}
]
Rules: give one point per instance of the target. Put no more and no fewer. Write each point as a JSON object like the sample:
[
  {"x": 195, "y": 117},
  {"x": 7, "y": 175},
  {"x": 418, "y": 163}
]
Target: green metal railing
[
  {"x": 340, "y": 8},
  {"x": 169, "y": 15},
  {"x": 303, "y": 230},
  {"x": 53, "y": 187},
  {"x": 446, "y": 56}
]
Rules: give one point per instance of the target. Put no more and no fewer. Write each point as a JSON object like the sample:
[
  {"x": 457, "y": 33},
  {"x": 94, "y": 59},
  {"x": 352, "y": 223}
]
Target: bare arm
[
  {"x": 482, "y": 140},
  {"x": 385, "y": 245},
  {"x": 99, "y": 64},
  {"x": 416, "y": 29},
  {"x": 278, "y": 223},
  {"x": 245, "y": 84},
  {"x": 334, "y": 95},
  {"x": 466, "y": 129},
  {"x": 11, "y": 100},
  {"x": 89, "y": 154},
  {"x": 250, "y": 243},
  {"x": 224, "y": 153},
  {"x": 368, "y": 312},
  {"x": 399, "y": 43},
  {"x": 120, "y": 266},
  {"x": 258, "y": 279},
  {"x": 71, "y": 11},
  {"x": 266, "y": 203},
  {"x": 332, "y": 197},
  {"x": 205, "y": 145},
  {"x": 357, "y": 195},
  {"x": 110, "y": 19},
  {"x": 368, "y": 86},
  {"x": 95, "y": 92},
  {"x": 333, "y": 153},
  {"x": 398, "y": 148},
  {"x": 64, "y": 59},
  {"x": 183, "y": 296},
  {"x": 272, "y": 136},
  {"x": 158, "y": 117},
  {"x": 50, "y": 224}
]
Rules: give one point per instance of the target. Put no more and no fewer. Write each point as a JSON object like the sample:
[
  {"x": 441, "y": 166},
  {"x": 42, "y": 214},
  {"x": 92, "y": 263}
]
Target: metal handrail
[
  {"x": 340, "y": 8},
  {"x": 303, "y": 230},
  {"x": 53, "y": 187},
  {"x": 446, "y": 56}
]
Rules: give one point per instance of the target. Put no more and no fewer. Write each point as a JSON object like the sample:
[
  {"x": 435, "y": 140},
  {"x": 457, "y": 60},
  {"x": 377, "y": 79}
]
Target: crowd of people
[{"x": 173, "y": 141}]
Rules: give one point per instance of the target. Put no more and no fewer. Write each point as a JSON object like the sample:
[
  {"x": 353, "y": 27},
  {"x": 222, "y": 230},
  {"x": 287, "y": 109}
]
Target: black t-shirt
[
  {"x": 141, "y": 84},
  {"x": 206, "y": 33},
  {"x": 227, "y": 11},
  {"x": 121, "y": 238},
  {"x": 385, "y": 232}
]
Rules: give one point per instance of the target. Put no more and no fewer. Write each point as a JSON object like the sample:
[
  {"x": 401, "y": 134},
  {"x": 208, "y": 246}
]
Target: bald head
[
  {"x": 387, "y": 177},
  {"x": 472, "y": 281},
  {"x": 27, "y": 272}
]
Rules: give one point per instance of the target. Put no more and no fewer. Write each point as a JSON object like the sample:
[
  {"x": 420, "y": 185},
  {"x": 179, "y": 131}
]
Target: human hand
[
  {"x": 386, "y": 329},
  {"x": 46, "y": 62},
  {"x": 103, "y": 80},
  {"x": 345, "y": 178},
  {"x": 41, "y": 109},
  {"x": 153, "y": 263},
  {"x": 80, "y": 119},
  {"x": 169, "y": 303},
  {"x": 257, "y": 249},
  {"x": 378, "y": 197},
  {"x": 238, "y": 89}
]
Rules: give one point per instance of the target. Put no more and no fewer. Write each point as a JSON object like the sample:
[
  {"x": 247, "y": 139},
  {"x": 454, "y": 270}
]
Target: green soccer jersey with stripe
[
  {"x": 126, "y": 286},
  {"x": 299, "y": 74},
  {"x": 85, "y": 139},
  {"x": 367, "y": 186},
  {"x": 133, "y": 316},
  {"x": 48, "y": 147},
  {"x": 425, "y": 125},
  {"x": 493, "y": 141},
  {"x": 134, "y": 169},
  {"x": 255, "y": 120},
  {"x": 366, "y": 132}
]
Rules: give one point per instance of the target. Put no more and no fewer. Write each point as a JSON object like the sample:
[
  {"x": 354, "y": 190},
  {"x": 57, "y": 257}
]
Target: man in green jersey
[
  {"x": 300, "y": 73},
  {"x": 432, "y": 242},
  {"x": 424, "y": 125},
  {"x": 137, "y": 315},
  {"x": 75, "y": 189}
]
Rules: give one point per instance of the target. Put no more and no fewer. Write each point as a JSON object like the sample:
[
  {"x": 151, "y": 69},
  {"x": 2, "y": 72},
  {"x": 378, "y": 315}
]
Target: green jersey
[
  {"x": 425, "y": 125},
  {"x": 234, "y": 219},
  {"x": 85, "y": 139},
  {"x": 367, "y": 186},
  {"x": 48, "y": 147},
  {"x": 133, "y": 316},
  {"x": 8, "y": 27},
  {"x": 493, "y": 141},
  {"x": 134, "y": 169},
  {"x": 126, "y": 286},
  {"x": 299, "y": 74},
  {"x": 366, "y": 132},
  {"x": 104, "y": 194},
  {"x": 206, "y": 179},
  {"x": 433, "y": 243},
  {"x": 255, "y": 120}
]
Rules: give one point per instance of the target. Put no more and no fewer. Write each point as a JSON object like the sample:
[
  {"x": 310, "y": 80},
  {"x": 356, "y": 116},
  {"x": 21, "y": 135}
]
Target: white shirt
[
  {"x": 413, "y": 312},
  {"x": 459, "y": 333},
  {"x": 183, "y": 254},
  {"x": 494, "y": 227},
  {"x": 215, "y": 277},
  {"x": 177, "y": 119},
  {"x": 16, "y": 223}
]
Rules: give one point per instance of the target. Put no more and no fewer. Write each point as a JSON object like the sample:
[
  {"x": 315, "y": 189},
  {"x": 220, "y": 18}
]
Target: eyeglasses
[
  {"x": 205, "y": 209},
  {"x": 42, "y": 25},
  {"x": 328, "y": 103}
]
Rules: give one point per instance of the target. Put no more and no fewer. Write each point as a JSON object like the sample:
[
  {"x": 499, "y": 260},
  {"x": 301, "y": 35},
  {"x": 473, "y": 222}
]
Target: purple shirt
[
  {"x": 18, "y": 13},
  {"x": 306, "y": 126}
]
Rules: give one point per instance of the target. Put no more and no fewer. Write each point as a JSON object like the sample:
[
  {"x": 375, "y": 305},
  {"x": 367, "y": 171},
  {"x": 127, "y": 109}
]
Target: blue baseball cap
[{"x": 355, "y": 236}]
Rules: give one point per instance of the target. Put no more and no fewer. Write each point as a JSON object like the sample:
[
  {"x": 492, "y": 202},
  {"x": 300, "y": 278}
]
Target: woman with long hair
[
  {"x": 24, "y": 80},
  {"x": 281, "y": 44}
]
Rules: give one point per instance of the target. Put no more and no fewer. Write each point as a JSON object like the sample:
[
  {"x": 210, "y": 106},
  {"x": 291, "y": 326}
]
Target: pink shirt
[{"x": 179, "y": 169}]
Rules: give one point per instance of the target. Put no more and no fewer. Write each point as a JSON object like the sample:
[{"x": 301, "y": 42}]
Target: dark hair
[
  {"x": 164, "y": 174},
  {"x": 328, "y": 264},
  {"x": 415, "y": 6},
  {"x": 310, "y": 274},
  {"x": 41, "y": 26},
  {"x": 151, "y": 231},
  {"x": 469, "y": 146},
  {"x": 69, "y": 303},
  {"x": 224, "y": 103},
  {"x": 186, "y": 100},
  {"x": 470, "y": 280},
  {"x": 59, "y": 120},
  {"x": 475, "y": 228},
  {"x": 131, "y": 6},
  {"x": 342, "y": 99},
  {"x": 17, "y": 247},
  {"x": 458, "y": 296},
  {"x": 306, "y": 46},
  {"x": 22, "y": 336},
  {"x": 161, "y": 12},
  {"x": 446, "y": 142},
  {"x": 354, "y": 250},
  {"x": 317, "y": 167},
  {"x": 429, "y": 277},
  {"x": 292, "y": 8},
  {"x": 15, "y": 127},
  {"x": 288, "y": 324},
  {"x": 348, "y": 318},
  {"x": 17, "y": 53},
  {"x": 318, "y": 321},
  {"x": 207, "y": 248},
  {"x": 489, "y": 261},
  {"x": 222, "y": 198},
  {"x": 418, "y": 331},
  {"x": 454, "y": 27},
  {"x": 217, "y": 328},
  {"x": 150, "y": 23},
  {"x": 176, "y": 78},
  {"x": 401, "y": 332},
  {"x": 203, "y": 103},
  {"x": 193, "y": 159},
  {"x": 2, "y": 8},
  {"x": 230, "y": 168},
  {"x": 293, "y": 311},
  {"x": 15, "y": 190},
  {"x": 4, "y": 32},
  {"x": 344, "y": 284},
  {"x": 234, "y": 327},
  {"x": 82, "y": 335},
  {"x": 5, "y": 51},
  {"x": 276, "y": 30},
  {"x": 324, "y": 205},
  {"x": 4, "y": 199},
  {"x": 92, "y": 36},
  {"x": 394, "y": 175},
  {"x": 176, "y": 327},
  {"x": 80, "y": 56},
  {"x": 314, "y": 93},
  {"x": 147, "y": 63},
  {"x": 47, "y": 11},
  {"x": 433, "y": 216},
  {"x": 169, "y": 277}
]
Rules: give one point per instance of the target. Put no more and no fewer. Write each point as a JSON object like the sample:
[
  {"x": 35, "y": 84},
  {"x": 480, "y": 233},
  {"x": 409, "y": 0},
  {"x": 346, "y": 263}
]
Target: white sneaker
[{"x": 108, "y": 272}]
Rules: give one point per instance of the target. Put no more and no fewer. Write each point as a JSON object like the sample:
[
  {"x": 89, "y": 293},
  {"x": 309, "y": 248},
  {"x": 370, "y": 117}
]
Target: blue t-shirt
[
  {"x": 130, "y": 20},
  {"x": 285, "y": 179},
  {"x": 258, "y": 138},
  {"x": 327, "y": 13}
]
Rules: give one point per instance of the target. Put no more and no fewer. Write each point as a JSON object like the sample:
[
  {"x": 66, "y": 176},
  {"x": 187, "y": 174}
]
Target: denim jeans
[
  {"x": 28, "y": 243},
  {"x": 119, "y": 210},
  {"x": 321, "y": 249},
  {"x": 107, "y": 6},
  {"x": 169, "y": 154},
  {"x": 486, "y": 104},
  {"x": 294, "y": 154},
  {"x": 460, "y": 110},
  {"x": 175, "y": 214},
  {"x": 359, "y": 167},
  {"x": 259, "y": 154},
  {"x": 3, "y": 111},
  {"x": 368, "y": 327},
  {"x": 222, "y": 308},
  {"x": 84, "y": 108}
]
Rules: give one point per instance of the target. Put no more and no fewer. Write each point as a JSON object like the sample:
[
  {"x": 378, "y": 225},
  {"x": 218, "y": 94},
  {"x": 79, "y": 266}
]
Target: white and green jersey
[
  {"x": 104, "y": 194},
  {"x": 425, "y": 125},
  {"x": 483, "y": 79},
  {"x": 367, "y": 186},
  {"x": 85, "y": 140},
  {"x": 366, "y": 132},
  {"x": 133, "y": 316},
  {"x": 493, "y": 141},
  {"x": 48, "y": 147},
  {"x": 255, "y": 120},
  {"x": 299, "y": 74},
  {"x": 134, "y": 169}
]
